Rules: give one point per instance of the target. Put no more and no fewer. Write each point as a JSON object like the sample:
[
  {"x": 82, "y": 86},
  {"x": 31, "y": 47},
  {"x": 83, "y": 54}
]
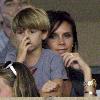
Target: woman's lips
[{"x": 61, "y": 51}]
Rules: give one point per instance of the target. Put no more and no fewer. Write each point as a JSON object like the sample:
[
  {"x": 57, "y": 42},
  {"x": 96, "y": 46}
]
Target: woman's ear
[{"x": 44, "y": 35}]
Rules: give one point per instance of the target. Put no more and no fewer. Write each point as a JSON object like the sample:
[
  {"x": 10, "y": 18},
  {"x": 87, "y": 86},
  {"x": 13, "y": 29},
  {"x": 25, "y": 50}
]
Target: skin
[
  {"x": 52, "y": 88},
  {"x": 5, "y": 90}
]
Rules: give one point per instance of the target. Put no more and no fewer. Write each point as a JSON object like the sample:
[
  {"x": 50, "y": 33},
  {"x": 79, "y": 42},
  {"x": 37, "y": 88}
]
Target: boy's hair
[
  {"x": 30, "y": 18},
  {"x": 23, "y": 84}
]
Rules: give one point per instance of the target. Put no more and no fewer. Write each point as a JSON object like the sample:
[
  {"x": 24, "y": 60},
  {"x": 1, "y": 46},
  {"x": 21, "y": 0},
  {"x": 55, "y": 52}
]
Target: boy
[{"x": 31, "y": 26}]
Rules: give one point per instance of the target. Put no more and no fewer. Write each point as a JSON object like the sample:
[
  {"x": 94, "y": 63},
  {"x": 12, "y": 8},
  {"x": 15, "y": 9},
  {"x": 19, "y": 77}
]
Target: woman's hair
[
  {"x": 56, "y": 19},
  {"x": 21, "y": 82},
  {"x": 30, "y": 18}
]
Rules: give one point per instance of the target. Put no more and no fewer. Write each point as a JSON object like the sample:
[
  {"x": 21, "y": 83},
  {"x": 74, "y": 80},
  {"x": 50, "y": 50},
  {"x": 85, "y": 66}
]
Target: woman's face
[
  {"x": 61, "y": 40},
  {"x": 5, "y": 90}
]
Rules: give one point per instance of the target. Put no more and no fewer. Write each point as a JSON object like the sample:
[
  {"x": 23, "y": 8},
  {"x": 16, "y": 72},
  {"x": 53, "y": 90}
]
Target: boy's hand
[
  {"x": 22, "y": 49},
  {"x": 49, "y": 86}
]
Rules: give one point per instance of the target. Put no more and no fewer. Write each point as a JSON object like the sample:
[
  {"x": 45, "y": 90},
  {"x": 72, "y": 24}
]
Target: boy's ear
[{"x": 44, "y": 35}]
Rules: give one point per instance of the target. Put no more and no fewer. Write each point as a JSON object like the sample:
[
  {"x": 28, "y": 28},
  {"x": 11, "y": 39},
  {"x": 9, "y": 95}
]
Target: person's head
[
  {"x": 16, "y": 80},
  {"x": 62, "y": 35},
  {"x": 32, "y": 23},
  {"x": 8, "y": 8}
]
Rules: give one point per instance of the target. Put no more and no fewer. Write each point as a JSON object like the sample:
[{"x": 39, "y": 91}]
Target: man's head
[{"x": 8, "y": 8}]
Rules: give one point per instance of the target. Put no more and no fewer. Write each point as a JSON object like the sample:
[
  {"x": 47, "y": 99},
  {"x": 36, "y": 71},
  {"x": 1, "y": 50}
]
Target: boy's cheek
[
  {"x": 19, "y": 37},
  {"x": 15, "y": 41}
]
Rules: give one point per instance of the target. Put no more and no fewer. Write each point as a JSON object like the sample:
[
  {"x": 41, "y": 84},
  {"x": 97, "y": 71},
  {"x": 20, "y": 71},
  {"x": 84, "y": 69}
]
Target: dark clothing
[{"x": 77, "y": 79}]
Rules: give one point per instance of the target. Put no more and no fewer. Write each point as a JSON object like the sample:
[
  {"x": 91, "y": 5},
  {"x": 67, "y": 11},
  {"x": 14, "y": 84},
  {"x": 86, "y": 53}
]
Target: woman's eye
[
  {"x": 67, "y": 35},
  {"x": 53, "y": 36}
]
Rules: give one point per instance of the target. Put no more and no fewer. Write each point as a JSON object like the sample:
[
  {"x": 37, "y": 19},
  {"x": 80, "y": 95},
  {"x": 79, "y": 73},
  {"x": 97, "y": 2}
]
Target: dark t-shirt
[{"x": 77, "y": 78}]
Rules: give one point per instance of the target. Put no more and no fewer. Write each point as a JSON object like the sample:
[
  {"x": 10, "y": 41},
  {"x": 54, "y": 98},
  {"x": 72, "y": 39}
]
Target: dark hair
[
  {"x": 23, "y": 83},
  {"x": 58, "y": 17}
]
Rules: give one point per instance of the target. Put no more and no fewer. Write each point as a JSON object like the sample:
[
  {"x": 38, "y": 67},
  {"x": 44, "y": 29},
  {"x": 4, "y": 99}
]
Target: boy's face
[{"x": 31, "y": 37}]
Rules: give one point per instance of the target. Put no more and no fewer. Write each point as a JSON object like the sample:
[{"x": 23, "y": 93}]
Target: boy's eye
[
  {"x": 53, "y": 36},
  {"x": 20, "y": 31},
  {"x": 33, "y": 31}
]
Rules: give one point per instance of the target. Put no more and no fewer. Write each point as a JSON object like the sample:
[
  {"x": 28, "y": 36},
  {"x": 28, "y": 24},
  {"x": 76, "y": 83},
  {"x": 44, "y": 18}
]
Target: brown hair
[{"x": 23, "y": 84}]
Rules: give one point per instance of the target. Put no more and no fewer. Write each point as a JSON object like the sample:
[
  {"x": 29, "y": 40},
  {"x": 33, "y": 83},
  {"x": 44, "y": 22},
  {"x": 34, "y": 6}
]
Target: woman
[{"x": 62, "y": 39}]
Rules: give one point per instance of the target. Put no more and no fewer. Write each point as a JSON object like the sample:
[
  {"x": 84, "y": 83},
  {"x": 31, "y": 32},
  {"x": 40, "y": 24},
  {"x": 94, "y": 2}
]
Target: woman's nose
[{"x": 61, "y": 41}]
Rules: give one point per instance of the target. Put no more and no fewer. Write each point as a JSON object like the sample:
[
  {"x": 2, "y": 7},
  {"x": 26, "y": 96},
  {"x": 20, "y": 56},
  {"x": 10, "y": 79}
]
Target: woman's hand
[
  {"x": 22, "y": 49},
  {"x": 74, "y": 60}
]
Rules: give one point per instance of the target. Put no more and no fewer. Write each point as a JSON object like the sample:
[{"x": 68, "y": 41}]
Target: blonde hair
[
  {"x": 23, "y": 85},
  {"x": 31, "y": 18}
]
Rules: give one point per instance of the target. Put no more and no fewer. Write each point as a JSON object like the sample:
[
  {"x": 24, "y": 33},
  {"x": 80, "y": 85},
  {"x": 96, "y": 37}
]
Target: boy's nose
[{"x": 26, "y": 33}]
